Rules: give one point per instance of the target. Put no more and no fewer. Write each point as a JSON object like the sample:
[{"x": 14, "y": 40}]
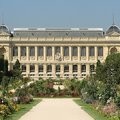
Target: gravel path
[{"x": 56, "y": 109}]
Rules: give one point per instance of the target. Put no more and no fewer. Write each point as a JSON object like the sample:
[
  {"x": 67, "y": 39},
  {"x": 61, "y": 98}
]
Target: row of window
[
  {"x": 58, "y": 68},
  {"x": 66, "y": 50}
]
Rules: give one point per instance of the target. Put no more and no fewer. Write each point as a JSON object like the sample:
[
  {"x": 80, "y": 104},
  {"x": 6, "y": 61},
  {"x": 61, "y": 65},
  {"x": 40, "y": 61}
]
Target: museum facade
[{"x": 58, "y": 53}]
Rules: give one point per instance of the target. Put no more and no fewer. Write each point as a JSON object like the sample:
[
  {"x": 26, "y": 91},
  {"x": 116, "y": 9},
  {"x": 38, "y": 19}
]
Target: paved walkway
[{"x": 56, "y": 109}]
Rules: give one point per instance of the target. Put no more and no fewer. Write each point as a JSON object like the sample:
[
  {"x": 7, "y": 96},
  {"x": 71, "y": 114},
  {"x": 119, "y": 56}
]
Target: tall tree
[{"x": 17, "y": 73}]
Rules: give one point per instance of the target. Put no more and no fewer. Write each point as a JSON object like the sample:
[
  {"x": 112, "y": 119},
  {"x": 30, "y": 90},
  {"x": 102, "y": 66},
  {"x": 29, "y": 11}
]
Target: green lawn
[
  {"x": 90, "y": 110},
  {"x": 24, "y": 108}
]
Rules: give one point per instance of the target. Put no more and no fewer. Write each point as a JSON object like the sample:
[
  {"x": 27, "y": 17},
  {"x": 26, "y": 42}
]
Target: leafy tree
[
  {"x": 5, "y": 83},
  {"x": 109, "y": 75},
  {"x": 3, "y": 68},
  {"x": 6, "y": 67},
  {"x": 100, "y": 71},
  {"x": 17, "y": 73},
  {"x": 1, "y": 63}
]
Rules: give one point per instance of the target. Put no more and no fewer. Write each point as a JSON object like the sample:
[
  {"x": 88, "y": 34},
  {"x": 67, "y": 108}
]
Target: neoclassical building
[{"x": 58, "y": 53}]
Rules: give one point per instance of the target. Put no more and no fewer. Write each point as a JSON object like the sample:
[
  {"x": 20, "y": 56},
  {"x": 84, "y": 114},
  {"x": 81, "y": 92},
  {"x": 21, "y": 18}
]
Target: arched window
[
  {"x": 49, "y": 68},
  {"x": 75, "y": 68},
  {"x": 57, "y": 68},
  {"x": 40, "y": 68},
  {"x": 32, "y": 68},
  {"x": 113, "y": 50},
  {"x": 23, "y": 68},
  {"x": 83, "y": 68},
  {"x": 66, "y": 68},
  {"x": 92, "y": 68}
]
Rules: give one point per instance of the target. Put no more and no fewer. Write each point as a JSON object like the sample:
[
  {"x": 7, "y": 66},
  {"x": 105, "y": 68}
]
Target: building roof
[{"x": 43, "y": 32}]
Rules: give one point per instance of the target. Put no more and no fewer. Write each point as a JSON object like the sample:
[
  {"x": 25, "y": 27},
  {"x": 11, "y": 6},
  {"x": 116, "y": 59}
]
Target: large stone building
[{"x": 58, "y": 53}]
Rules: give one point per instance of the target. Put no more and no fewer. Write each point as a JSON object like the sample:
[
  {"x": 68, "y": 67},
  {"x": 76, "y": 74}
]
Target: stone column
[
  {"x": 27, "y": 51},
  {"x": 53, "y": 71},
  {"x": 27, "y": 70},
  {"x": 36, "y": 70},
  {"x": 19, "y": 52},
  {"x": 70, "y": 70},
  {"x": 105, "y": 52},
  {"x": 36, "y": 53},
  {"x": 87, "y": 53},
  {"x": 62, "y": 53},
  {"x": 62, "y": 70},
  {"x": 10, "y": 57},
  {"x": 53, "y": 52},
  {"x": 96, "y": 54},
  {"x": 87, "y": 69},
  {"x": 70, "y": 53},
  {"x": 44, "y": 53}
]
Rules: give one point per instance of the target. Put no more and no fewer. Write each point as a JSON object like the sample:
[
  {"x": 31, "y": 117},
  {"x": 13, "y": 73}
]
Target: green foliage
[
  {"x": 5, "y": 83},
  {"x": 5, "y": 67},
  {"x": 7, "y": 107},
  {"x": 41, "y": 88},
  {"x": 24, "y": 108},
  {"x": 17, "y": 73},
  {"x": 1, "y": 63},
  {"x": 91, "y": 110}
]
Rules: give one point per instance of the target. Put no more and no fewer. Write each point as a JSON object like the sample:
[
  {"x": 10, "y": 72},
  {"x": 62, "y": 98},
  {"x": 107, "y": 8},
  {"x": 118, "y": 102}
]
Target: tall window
[
  {"x": 75, "y": 68},
  {"x": 40, "y": 68},
  {"x": 92, "y": 68},
  {"x": 83, "y": 51},
  {"x": 15, "y": 51},
  {"x": 23, "y": 68},
  {"x": 32, "y": 51},
  {"x": 74, "y": 51},
  {"x": 32, "y": 68},
  {"x": 66, "y": 68},
  {"x": 57, "y": 49},
  {"x": 40, "y": 51},
  {"x": 57, "y": 68},
  {"x": 66, "y": 51},
  {"x": 49, "y": 51},
  {"x": 49, "y": 68},
  {"x": 100, "y": 51},
  {"x": 23, "y": 51},
  {"x": 91, "y": 51},
  {"x": 83, "y": 68}
]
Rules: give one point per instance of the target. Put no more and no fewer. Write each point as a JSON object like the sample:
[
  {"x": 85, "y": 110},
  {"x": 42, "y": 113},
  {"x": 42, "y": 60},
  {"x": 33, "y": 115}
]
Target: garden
[
  {"x": 13, "y": 103},
  {"x": 99, "y": 93}
]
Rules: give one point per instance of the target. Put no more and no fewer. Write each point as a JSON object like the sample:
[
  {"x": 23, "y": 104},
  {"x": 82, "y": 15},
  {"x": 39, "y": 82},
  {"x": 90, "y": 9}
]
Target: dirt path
[{"x": 56, "y": 109}]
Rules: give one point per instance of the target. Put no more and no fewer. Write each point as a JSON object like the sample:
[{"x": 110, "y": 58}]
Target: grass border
[
  {"x": 24, "y": 108},
  {"x": 90, "y": 110}
]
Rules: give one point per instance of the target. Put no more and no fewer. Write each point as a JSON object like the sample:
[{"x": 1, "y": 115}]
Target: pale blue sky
[{"x": 59, "y": 13}]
